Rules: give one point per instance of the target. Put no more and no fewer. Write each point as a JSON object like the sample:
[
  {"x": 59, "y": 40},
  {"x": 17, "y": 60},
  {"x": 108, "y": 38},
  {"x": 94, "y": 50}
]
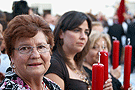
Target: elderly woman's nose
[
  {"x": 100, "y": 49},
  {"x": 35, "y": 52}
]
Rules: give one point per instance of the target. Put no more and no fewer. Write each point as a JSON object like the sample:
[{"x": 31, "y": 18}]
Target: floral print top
[{"x": 13, "y": 82}]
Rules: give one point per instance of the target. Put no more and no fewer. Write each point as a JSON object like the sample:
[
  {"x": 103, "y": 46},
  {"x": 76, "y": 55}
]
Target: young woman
[{"x": 71, "y": 45}]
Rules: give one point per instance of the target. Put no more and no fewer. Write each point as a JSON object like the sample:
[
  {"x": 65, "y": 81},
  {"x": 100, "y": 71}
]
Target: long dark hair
[{"x": 69, "y": 21}]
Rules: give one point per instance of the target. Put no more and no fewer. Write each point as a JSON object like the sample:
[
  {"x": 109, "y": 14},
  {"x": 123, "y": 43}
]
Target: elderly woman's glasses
[{"x": 28, "y": 49}]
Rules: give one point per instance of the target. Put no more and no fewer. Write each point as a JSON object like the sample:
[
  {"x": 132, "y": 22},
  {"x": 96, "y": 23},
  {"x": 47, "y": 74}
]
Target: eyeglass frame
[{"x": 29, "y": 52}]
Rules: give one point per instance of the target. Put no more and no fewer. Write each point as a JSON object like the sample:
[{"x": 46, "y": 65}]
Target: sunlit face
[
  {"x": 34, "y": 63},
  {"x": 93, "y": 54},
  {"x": 75, "y": 40}
]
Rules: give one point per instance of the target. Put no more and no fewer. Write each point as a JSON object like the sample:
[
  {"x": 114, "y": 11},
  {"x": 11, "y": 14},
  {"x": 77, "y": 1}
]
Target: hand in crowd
[
  {"x": 130, "y": 88},
  {"x": 116, "y": 72},
  {"x": 108, "y": 85}
]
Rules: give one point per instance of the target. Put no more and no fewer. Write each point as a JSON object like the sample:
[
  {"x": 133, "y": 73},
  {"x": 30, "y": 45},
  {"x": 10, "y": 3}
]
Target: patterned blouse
[{"x": 13, "y": 82}]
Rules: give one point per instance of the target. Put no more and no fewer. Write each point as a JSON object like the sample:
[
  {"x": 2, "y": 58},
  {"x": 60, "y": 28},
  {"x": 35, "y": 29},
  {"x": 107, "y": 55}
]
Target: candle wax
[
  {"x": 104, "y": 61},
  {"x": 115, "y": 58},
  {"x": 97, "y": 76},
  {"x": 127, "y": 66}
]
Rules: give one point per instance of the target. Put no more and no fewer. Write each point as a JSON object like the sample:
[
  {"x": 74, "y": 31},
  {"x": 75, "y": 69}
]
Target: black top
[
  {"x": 58, "y": 67},
  {"x": 115, "y": 82}
]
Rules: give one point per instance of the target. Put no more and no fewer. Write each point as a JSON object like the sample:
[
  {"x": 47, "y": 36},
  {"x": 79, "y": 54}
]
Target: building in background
[{"x": 41, "y": 8}]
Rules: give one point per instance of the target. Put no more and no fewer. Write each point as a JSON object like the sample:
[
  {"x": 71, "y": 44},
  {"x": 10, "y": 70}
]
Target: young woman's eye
[
  {"x": 87, "y": 32},
  {"x": 76, "y": 30}
]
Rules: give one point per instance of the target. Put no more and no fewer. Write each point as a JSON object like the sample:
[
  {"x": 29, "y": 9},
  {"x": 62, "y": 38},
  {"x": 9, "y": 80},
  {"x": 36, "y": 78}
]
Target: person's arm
[{"x": 56, "y": 79}]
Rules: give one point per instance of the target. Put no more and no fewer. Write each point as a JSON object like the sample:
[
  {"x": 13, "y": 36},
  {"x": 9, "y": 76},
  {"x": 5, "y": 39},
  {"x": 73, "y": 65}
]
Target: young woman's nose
[{"x": 83, "y": 35}]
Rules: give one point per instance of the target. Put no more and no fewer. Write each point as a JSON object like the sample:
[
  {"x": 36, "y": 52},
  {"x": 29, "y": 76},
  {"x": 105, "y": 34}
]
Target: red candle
[
  {"x": 104, "y": 61},
  {"x": 115, "y": 53},
  {"x": 97, "y": 76},
  {"x": 127, "y": 66}
]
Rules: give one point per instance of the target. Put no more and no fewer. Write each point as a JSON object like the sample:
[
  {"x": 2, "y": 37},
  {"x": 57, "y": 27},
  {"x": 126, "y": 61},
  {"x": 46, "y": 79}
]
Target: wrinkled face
[
  {"x": 93, "y": 54},
  {"x": 75, "y": 40},
  {"x": 33, "y": 63}
]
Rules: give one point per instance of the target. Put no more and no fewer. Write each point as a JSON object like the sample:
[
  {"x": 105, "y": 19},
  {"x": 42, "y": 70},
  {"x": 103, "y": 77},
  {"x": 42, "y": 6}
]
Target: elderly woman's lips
[{"x": 34, "y": 64}]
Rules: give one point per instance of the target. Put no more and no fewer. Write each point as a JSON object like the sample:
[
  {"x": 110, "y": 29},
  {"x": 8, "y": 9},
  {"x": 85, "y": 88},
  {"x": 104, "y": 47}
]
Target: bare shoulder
[{"x": 55, "y": 78}]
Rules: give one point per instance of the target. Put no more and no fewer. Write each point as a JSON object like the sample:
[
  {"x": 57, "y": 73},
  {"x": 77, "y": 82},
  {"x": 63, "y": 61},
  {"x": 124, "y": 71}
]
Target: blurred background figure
[
  {"x": 21, "y": 7},
  {"x": 9, "y": 16},
  {"x": 3, "y": 20},
  {"x": 131, "y": 35},
  {"x": 96, "y": 25},
  {"x": 4, "y": 59},
  {"x": 52, "y": 20},
  {"x": 116, "y": 30},
  {"x": 4, "y": 25},
  {"x": 5, "y": 63}
]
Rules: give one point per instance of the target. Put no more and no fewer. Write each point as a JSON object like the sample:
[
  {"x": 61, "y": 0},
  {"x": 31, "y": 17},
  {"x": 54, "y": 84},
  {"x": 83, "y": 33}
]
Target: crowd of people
[{"x": 46, "y": 52}]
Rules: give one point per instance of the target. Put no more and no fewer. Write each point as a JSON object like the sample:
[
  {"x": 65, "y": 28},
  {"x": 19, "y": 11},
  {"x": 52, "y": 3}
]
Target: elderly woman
[
  {"x": 28, "y": 39},
  {"x": 96, "y": 45}
]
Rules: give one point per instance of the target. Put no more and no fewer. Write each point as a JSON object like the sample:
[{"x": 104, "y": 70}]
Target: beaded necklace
[{"x": 83, "y": 77}]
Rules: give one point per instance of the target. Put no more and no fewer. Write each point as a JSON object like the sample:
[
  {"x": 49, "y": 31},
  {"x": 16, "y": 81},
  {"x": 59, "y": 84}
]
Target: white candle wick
[
  {"x": 128, "y": 41},
  {"x": 114, "y": 38},
  {"x": 99, "y": 57}
]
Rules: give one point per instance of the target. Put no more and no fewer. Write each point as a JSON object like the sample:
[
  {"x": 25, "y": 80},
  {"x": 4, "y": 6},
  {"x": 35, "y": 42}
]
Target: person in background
[
  {"x": 96, "y": 25},
  {"x": 116, "y": 30},
  {"x": 21, "y": 7},
  {"x": 1, "y": 38},
  {"x": 4, "y": 59},
  {"x": 96, "y": 45},
  {"x": 50, "y": 19},
  {"x": 131, "y": 34},
  {"x": 28, "y": 44},
  {"x": 71, "y": 45},
  {"x": 93, "y": 17},
  {"x": 9, "y": 16},
  {"x": 3, "y": 22}
]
